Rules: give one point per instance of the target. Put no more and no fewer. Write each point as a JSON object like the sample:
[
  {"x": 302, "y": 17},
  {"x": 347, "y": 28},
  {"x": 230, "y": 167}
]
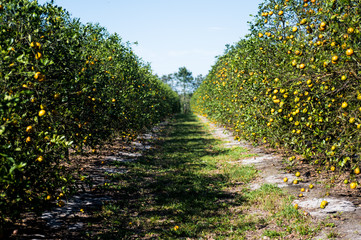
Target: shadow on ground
[{"x": 169, "y": 193}]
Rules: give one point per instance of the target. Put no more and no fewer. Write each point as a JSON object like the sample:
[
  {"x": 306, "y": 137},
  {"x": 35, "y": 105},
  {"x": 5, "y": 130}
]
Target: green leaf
[
  {"x": 2, "y": 129},
  {"x": 20, "y": 58}
]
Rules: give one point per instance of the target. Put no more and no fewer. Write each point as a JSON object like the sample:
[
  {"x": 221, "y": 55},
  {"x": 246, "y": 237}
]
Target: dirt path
[
  {"x": 343, "y": 209},
  {"x": 147, "y": 189}
]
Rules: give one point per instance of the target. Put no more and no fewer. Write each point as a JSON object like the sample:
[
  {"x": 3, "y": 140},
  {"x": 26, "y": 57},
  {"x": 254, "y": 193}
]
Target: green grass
[{"x": 192, "y": 187}]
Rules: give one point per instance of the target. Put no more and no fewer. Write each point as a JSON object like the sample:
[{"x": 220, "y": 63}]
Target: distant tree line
[{"x": 184, "y": 84}]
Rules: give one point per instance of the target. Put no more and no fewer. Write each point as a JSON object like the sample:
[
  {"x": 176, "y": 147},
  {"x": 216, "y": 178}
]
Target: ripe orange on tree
[{"x": 349, "y": 52}]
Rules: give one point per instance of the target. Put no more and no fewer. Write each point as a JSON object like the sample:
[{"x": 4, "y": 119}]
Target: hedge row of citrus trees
[
  {"x": 294, "y": 81},
  {"x": 64, "y": 85}
]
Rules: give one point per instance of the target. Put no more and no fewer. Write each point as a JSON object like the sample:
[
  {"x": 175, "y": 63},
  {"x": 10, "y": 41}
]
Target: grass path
[{"x": 190, "y": 187}]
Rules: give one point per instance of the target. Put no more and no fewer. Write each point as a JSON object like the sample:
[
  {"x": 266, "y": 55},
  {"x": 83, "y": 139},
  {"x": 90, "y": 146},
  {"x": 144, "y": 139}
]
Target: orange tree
[
  {"x": 64, "y": 85},
  {"x": 294, "y": 81}
]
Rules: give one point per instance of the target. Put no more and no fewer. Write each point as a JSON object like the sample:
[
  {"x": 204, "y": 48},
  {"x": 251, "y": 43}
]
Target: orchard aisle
[
  {"x": 190, "y": 186},
  {"x": 179, "y": 183}
]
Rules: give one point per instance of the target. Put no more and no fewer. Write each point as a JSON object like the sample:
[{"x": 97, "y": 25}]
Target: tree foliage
[
  {"x": 293, "y": 82},
  {"x": 64, "y": 85}
]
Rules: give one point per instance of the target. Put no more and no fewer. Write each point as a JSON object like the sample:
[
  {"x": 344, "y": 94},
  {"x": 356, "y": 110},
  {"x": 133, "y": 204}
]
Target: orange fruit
[
  {"x": 349, "y": 52},
  {"x": 61, "y": 203},
  {"x": 29, "y": 129},
  {"x": 35, "y": 45},
  {"x": 42, "y": 113},
  {"x": 353, "y": 185},
  {"x": 298, "y": 174},
  {"x": 37, "y": 75},
  {"x": 40, "y": 77},
  {"x": 38, "y": 55},
  {"x": 350, "y": 30},
  {"x": 285, "y": 179},
  {"x": 357, "y": 170},
  {"x": 324, "y": 204},
  {"x": 40, "y": 158}
]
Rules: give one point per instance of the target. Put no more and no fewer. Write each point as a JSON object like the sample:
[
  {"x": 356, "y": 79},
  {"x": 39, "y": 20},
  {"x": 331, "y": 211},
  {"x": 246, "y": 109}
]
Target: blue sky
[{"x": 170, "y": 33}]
